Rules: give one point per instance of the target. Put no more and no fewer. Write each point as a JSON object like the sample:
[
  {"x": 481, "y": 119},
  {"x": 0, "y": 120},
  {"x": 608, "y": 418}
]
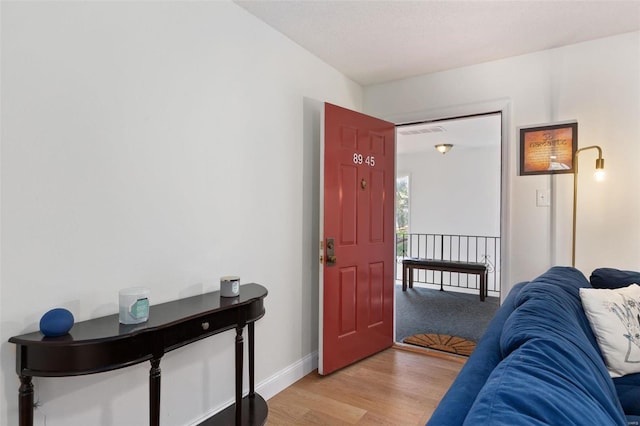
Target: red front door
[{"x": 356, "y": 284}]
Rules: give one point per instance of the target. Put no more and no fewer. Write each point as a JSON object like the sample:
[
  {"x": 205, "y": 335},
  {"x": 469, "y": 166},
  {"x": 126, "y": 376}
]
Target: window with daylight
[{"x": 402, "y": 214}]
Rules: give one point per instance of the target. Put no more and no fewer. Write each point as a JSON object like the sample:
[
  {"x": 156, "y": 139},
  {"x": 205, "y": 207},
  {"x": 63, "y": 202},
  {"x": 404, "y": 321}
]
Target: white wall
[
  {"x": 156, "y": 144},
  {"x": 457, "y": 193},
  {"x": 595, "y": 83}
]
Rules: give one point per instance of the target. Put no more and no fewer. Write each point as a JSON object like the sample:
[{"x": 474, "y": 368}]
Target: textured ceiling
[{"x": 377, "y": 41}]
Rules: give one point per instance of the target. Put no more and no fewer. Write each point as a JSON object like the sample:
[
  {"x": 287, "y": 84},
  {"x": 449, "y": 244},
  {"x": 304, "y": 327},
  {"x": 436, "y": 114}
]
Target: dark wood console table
[{"x": 103, "y": 344}]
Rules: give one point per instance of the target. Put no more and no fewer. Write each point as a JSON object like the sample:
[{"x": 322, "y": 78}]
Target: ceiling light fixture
[{"x": 443, "y": 148}]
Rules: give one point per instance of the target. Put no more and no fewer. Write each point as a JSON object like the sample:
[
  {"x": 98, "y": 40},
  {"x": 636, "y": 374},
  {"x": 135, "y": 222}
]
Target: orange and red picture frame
[{"x": 548, "y": 149}]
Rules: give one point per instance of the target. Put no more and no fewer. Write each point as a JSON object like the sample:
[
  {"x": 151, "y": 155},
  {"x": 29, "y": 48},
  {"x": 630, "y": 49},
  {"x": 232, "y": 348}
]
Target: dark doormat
[{"x": 442, "y": 342}]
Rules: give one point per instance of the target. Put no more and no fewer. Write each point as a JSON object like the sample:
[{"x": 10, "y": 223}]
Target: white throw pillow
[{"x": 614, "y": 316}]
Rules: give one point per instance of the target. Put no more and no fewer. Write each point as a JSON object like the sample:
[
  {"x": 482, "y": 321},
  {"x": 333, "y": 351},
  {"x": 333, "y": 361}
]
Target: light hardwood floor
[{"x": 394, "y": 387}]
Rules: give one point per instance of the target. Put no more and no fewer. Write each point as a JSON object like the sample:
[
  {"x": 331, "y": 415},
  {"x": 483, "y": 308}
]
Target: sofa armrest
[{"x": 457, "y": 402}]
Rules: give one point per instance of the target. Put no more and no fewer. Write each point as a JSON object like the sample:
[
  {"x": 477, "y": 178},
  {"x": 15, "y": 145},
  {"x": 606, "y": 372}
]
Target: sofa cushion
[
  {"x": 549, "y": 306},
  {"x": 628, "y": 389},
  {"x": 614, "y": 315},
  {"x": 613, "y": 278},
  {"x": 457, "y": 401},
  {"x": 547, "y": 382}
]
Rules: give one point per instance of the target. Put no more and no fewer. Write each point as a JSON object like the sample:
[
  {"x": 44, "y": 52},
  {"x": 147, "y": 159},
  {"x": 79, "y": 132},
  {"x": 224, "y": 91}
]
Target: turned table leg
[
  {"x": 25, "y": 401},
  {"x": 239, "y": 366},
  {"x": 252, "y": 389},
  {"x": 154, "y": 392}
]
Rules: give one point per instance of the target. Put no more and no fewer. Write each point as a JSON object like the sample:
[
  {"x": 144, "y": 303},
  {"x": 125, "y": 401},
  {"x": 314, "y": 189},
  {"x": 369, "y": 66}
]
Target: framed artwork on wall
[{"x": 548, "y": 149}]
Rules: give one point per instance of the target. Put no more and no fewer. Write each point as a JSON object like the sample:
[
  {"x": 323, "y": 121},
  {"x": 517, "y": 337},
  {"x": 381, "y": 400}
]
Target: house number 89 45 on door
[{"x": 369, "y": 160}]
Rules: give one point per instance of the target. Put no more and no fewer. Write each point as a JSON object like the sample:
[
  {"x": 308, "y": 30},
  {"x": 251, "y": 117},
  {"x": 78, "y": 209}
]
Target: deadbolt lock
[{"x": 331, "y": 254}]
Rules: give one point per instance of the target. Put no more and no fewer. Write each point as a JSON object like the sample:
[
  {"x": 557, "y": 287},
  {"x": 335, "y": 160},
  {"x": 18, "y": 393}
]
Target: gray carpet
[{"x": 421, "y": 310}]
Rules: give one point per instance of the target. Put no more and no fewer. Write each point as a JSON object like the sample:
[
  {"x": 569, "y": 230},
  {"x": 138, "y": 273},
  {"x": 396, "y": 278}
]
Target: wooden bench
[{"x": 409, "y": 264}]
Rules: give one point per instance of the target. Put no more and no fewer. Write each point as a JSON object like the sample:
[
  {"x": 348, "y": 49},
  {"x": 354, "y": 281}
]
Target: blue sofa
[{"x": 538, "y": 363}]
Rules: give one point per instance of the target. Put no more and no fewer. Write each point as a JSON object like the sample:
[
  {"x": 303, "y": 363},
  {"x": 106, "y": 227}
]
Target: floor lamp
[{"x": 599, "y": 176}]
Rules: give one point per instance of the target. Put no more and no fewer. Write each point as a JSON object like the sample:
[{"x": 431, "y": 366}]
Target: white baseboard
[
  {"x": 288, "y": 376},
  {"x": 274, "y": 384}
]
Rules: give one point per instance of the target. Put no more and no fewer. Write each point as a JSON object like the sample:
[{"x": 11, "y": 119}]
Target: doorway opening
[{"x": 448, "y": 208}]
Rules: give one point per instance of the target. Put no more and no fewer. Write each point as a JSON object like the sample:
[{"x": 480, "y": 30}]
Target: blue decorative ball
[{"x": 56, "y": 322}]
